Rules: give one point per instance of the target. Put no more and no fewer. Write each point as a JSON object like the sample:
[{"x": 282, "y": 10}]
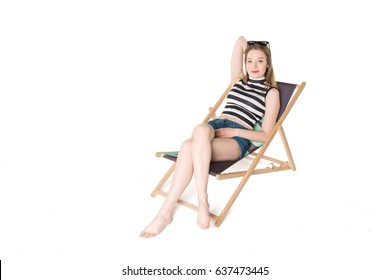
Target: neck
[{"x": 256, "y": 80}]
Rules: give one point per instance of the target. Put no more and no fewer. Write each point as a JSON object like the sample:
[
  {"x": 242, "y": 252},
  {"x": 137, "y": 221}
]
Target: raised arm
[{"x": 237, "y": 71}]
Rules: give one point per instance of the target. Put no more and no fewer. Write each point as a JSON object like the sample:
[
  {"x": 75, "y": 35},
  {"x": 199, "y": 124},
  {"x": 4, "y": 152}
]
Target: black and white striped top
[{"x": 247, "y": 102}]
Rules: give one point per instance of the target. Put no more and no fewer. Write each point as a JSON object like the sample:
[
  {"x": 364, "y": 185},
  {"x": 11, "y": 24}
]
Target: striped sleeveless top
[{"x": 247, "y": 102}]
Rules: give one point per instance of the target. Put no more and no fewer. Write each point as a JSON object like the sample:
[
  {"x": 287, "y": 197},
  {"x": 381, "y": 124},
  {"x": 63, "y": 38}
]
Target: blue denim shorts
[{"x": 222, "y": 123}]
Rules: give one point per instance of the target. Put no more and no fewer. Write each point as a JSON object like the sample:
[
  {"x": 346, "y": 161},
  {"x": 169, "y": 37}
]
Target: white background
[{"x": 90, "y": 90}]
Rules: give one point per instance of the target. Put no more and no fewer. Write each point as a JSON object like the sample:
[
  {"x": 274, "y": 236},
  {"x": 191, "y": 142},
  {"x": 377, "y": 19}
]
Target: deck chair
[{"x": 289, "y": 94}]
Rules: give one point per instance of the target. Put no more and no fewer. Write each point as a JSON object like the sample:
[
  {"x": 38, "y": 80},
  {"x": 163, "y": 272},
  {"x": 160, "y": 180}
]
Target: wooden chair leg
[
  {"x": 287, "y": 148},
  {"x": 232, "y": 199}
]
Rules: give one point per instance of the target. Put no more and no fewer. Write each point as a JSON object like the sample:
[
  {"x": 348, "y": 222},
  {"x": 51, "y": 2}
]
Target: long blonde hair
[{"x": 269, "y": 72}]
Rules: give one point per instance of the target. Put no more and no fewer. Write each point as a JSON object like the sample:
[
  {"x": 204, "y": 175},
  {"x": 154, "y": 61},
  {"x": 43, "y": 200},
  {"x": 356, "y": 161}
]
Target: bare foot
[
  {"x": 203, "y": 216},
  {"x": 156, "y": 226}
]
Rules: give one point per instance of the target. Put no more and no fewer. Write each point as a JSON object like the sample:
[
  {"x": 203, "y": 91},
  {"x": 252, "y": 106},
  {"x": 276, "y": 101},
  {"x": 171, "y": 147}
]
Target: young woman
[{"x": 253, "y": 96}]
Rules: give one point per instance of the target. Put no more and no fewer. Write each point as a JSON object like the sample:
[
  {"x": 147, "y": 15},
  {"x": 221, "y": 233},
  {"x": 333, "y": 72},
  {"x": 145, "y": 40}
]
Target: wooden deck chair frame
[{"x": 276, "y": 164}]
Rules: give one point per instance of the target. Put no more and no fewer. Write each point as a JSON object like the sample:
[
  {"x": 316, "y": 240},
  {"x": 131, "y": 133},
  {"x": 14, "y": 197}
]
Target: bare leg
[
  {"x": 181, "y": 178},
  {"x": 205, "y": 149},
  {"x": 201, "y": 157},
  {"x": 194, "y": 158}
]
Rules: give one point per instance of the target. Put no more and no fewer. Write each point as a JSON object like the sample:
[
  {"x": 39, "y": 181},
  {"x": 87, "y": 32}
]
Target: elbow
[
  {"x": 242, "y": 42},
  {"x": 266, "y": 135},
  {"x": 241, "y": 38}
]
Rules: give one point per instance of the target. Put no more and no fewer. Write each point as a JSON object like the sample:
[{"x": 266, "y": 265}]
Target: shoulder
[
  {"x": 272, "y": 97},
  {"x": 272, "y": 91}
]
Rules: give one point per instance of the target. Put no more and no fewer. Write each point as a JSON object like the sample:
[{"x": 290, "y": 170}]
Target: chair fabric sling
[{"x": 288, "y": 94}]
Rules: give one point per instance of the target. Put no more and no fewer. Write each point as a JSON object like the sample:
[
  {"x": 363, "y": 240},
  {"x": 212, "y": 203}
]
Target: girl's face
[{"x": 256, "y": 64}]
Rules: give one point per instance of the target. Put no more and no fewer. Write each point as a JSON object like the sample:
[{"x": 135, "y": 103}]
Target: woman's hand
[{"x": 225, "y": 132}]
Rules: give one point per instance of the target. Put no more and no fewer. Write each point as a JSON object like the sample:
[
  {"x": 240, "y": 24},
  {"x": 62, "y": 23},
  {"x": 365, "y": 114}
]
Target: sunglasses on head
[{"x": 264, "y": 43}]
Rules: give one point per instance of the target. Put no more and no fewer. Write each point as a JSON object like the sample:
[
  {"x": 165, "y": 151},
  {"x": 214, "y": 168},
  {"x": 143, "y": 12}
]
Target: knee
[
  {"x": 203, "y": 131},
  {"x": 186, "y": 146}
]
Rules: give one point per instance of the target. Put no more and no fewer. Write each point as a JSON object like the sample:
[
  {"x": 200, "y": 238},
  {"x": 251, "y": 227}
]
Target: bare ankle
[
  {"x": 203, "y": 201},
  {"x": 203, "y": 215},
  {"x": 166, "y": 215}
]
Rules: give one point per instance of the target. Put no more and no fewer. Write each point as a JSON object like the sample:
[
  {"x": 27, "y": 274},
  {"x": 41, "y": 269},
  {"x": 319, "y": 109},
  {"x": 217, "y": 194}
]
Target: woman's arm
[
  {"x": 237, "y": 71},
  {"x": 271, "y": 113}
]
